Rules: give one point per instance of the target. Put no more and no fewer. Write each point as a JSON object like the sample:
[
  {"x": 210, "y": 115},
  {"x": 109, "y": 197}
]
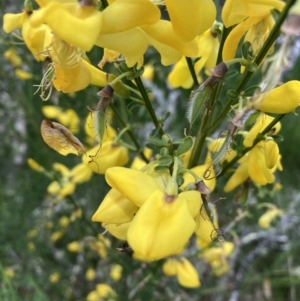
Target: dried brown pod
[{"x": 60, "y": 138}]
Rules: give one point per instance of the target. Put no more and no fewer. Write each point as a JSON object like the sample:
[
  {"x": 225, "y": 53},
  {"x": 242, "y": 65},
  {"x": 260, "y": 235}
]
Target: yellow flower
[
  {"x": 34, "y": 165},
  {"x": 9, "y": 272},
  {"x": 186, "y": 273},
  {"x": 114, "y": 28},
  {"x": 208, "y": 46},
  {"x": 57, "y": 235},
  {"x": 261, "y": 161},
  {"x": 64, "y": 221},
  {"x": 102, "y": 157},
  {"x": 54, "y": 277},
  {"x": 152, "y": 232},
  {"x": 281, "y": 100},
  {"x": 21, "y": 74},
  {"x": 266, "y": 219},
  {"x": 35, "y": 38},
  {"x": 12, "y": 56},
  {"x": 217, "y": 257},
  {"x": 68, "y": 72},
  {"x": 247, "y": 14},
  {"x": 161, "y": 228},
  {"x": 90, "y": 274},
  {"x": 74, "y": 247},
  {"x": 182, "y": 268},
  {"x": 104, "y": 291},
  {"x": 116, "y": 272},
  {"x": 69, "y": 179}
]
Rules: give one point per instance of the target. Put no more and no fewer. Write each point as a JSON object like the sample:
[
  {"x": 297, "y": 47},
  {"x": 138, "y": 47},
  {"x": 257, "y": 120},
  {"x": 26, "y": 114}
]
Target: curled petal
[{"x": 234, "y": 37}]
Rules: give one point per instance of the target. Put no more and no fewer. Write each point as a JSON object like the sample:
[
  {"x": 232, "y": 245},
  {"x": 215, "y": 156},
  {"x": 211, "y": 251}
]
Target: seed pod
[{"x": 60, "y": 138}]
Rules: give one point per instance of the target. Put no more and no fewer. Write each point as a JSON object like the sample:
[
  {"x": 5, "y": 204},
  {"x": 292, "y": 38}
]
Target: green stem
[
  {"x": 259, "y": 137},
  {"x": 192, "y": 71},
  {"x": 132, "y": 90},
  {"x": 148, "y": 105},
  {"x": 225, "y": 33},
  {"x": 201, "y": 135},
  {"x": 117, "y": 79},
  {"x": 129, "y": 133}
]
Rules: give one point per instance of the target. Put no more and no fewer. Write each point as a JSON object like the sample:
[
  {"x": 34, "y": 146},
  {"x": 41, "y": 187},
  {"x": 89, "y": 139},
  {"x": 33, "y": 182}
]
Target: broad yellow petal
[
  {"x": 160, "y": 229},
  {"x": 115, "y": 209},
  {"x": 123, "y": 15},
  {"x": 192, "y": 18},
  {"x": 162, "y": 31},
  {"x": 132, "y": 184},
  {"x": 131, "y": 43},
  {"x": 281, "y": 100}
]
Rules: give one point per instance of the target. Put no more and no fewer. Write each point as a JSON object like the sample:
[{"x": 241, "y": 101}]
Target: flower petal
[
  {"x": 162, "y": 32},
  {"x": 160, "y": 229},
  {"x": 238, "y": 177},
  {"x": 100, "y": 158},
  {"x": 281, "y": 100},
  {"x": 123, "y": 15},
  {"x": 234, "y": 37},
  {"x": 187, "y": 275},
  {"x": 192, "y": 19},
  {"x": 132, "y": 184},
  {"x": 123, "y": 42},
  {"x": 115, "y": 209},
  {"x": 80, "y": 27}
]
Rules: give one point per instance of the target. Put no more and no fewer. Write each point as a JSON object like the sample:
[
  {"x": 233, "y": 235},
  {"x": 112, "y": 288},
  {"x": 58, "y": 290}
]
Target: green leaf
[
  {"x": 157, "y": 141},
  {"x": 161, "y": 168},
  {"x": 165, "y": 160},
  {"x": 185, "y": 146}
]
